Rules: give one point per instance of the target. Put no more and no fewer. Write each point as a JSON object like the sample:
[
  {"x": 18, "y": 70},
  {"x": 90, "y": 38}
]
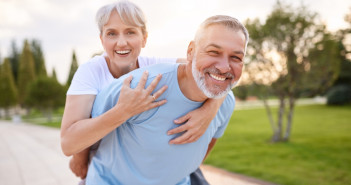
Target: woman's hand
[
  {"x": 140, "y": 99},
  {"x": 79, "y": 163},
  {"x": 195, "y": 122}
]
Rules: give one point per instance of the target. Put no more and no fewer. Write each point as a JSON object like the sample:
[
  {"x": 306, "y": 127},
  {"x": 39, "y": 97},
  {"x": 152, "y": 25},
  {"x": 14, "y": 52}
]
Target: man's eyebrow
[{"x": 219, "y": 47}]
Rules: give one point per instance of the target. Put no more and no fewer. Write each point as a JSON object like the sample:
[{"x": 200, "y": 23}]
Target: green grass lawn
[{"x": 319, "y": 151}]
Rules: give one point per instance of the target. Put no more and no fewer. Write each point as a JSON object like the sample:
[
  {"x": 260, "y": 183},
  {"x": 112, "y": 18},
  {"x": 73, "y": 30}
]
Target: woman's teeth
[{"x": 123, "y": 52}]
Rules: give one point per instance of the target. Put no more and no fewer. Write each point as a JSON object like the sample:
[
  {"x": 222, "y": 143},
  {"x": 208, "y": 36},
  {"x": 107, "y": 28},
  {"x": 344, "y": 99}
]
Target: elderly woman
[{"x": 122, "y": 33}]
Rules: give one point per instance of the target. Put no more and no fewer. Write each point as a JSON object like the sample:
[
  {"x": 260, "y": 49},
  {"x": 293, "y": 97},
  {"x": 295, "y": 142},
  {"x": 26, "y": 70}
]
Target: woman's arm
[
  {"x": 78, "y": 131},
  {"x": 196, "y": 122}
]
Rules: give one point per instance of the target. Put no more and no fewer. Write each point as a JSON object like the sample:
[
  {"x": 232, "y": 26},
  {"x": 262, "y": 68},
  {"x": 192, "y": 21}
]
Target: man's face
[{"x": 217, "y": 59}]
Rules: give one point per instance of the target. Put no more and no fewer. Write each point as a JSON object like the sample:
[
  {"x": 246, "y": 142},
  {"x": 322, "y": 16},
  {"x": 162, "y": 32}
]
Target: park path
[{"x": 31, "y": 155}]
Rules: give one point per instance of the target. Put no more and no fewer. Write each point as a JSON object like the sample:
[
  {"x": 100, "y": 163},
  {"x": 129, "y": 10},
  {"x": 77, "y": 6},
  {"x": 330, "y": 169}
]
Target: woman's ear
[{"x": 144, "y": 40}]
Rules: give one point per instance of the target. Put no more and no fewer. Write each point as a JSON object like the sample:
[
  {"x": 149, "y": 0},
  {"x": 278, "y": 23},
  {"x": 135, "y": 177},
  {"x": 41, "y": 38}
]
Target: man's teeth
[
  {"x": 217, "y": 77},
  {"x": 123, "y": 52}
]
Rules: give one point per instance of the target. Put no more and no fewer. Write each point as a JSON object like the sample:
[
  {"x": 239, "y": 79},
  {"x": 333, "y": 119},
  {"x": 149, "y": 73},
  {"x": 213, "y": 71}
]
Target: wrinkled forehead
[{"x": 222, "y": 36}]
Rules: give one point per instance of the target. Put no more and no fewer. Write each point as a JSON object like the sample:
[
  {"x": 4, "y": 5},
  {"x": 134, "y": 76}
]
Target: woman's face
[{"x": 122, "y": 42}]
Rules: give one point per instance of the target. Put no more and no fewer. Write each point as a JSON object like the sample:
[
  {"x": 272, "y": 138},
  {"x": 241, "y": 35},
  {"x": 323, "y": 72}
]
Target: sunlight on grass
[{"x": 318, "y": 153}]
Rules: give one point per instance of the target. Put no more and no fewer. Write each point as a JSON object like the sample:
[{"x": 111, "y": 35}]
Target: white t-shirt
[{"x": 94, "y": 75}]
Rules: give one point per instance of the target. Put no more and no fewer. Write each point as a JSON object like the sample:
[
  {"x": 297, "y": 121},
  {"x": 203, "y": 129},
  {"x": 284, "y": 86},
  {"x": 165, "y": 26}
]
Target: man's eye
[
  {"x": 214, "y": 52},
  {"x": 130, "y": 32},
  {"x": 236, "y": 58},
  {"x": 111, "y": 34}
]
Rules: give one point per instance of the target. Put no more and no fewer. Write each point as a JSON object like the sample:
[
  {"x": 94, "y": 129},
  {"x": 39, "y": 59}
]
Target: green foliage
[
  {"x": 54, "y": 76},
  {"x": 339, "y": 95},
  {"x": 45, "y": 94},
  {"x": 241, "y": 92},
  {"x": 26, "y": 73},
  {"x": 8, "y": 89},
  {"x": 324, "y": 65},
  {"x": 14, "y": 60},
  {"x": 319, "y": 151},
  {"x": 73, "y": 69},
  {"x": 38, "y": 57}
]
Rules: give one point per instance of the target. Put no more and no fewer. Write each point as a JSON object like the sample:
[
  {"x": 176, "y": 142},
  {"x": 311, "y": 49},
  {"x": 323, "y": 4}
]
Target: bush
[
  {"x": 339, "y": 95},
  {"x": 241, "y": 92}
]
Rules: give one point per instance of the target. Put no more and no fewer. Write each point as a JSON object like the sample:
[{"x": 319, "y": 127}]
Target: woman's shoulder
[{"x": 96, "y": 61}]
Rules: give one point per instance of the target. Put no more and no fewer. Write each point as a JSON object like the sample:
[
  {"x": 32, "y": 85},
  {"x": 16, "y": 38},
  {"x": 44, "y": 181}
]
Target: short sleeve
[
  {"x": 83, "y": 82},
  {"x": 147, "y": 61},
  {"x": 224, "y": 114}
]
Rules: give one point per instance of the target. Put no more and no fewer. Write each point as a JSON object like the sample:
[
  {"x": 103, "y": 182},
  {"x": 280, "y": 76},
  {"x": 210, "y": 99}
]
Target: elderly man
[{"x": 138, "y": 151}]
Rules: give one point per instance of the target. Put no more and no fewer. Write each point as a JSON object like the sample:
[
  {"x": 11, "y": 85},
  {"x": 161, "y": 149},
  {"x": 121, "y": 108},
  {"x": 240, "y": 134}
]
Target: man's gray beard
[{"x": 200, "y": 82}]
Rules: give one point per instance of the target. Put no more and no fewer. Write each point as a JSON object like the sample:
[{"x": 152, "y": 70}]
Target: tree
[
  {"x": 73, "y": 69},
  {"x": 285, "y": 59},
  {"x": 8, "y": 89},
  {"x": 26, "y": 72},
  {"x": 46, "y": 94},
  {"x": 38, "y": 57},
  {"x": 14, "y": 60},
  {"x": 339, "y": 93},
  {"x": 54, "y": 76}
]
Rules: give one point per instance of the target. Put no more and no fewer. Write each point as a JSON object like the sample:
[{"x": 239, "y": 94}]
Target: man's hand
[{"x": 79, "y": 163}]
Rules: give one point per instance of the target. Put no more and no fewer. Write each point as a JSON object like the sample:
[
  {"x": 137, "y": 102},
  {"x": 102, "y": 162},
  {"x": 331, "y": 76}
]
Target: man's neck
[{"x": 188, "y": 85}]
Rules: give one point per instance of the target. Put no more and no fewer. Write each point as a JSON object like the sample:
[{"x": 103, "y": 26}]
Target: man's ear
[{"x": 190, "y": 51}]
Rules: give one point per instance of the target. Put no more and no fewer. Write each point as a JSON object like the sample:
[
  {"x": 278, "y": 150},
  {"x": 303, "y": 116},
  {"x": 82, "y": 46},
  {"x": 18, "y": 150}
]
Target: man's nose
[{"x": 223, "y": 65}]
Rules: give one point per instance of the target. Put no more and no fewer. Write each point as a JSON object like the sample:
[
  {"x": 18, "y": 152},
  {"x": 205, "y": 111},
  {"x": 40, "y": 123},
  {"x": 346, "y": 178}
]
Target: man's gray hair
[
  {"x": 227, "y": 21},
  {"x": 130, "y": 14}
]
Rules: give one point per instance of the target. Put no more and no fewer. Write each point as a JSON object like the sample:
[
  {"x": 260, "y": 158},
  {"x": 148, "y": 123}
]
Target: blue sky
[{"x": 64, "y": 25}]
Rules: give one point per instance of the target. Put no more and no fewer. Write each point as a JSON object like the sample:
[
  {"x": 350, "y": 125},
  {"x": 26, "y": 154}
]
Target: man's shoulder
[
  {"x": 228, "y": 104},
  {"x": 162, "y": 68}
]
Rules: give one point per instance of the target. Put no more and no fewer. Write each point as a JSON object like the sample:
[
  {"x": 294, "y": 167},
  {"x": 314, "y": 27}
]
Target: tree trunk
[
  {"x": 269, "y": 114},
  {"x": 7, "y": 113},
  {"x": 48, "y": 113},
  {"x": 289, "y": 118},
  {"x": 278, "y": 134}
]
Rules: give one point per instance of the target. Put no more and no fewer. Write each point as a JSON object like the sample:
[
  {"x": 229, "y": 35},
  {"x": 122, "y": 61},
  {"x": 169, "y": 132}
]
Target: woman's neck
[{"x": 117, "y": 71}]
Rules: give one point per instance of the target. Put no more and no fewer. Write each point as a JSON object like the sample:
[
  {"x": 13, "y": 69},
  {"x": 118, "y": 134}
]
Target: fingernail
[{"x": 169, "y": 133}]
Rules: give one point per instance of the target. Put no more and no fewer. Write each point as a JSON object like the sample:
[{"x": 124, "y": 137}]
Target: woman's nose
[{"x": 121, "y": 41}]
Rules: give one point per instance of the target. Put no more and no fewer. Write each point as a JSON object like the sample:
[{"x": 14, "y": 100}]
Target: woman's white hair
[{"x": 130, "y": 14}]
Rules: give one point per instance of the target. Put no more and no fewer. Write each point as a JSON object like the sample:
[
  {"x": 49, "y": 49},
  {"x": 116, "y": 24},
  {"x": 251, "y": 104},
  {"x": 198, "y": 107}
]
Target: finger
[
  {"x": 153, "y": 84},
  {"x": 181, "y": 138},
  {"x": 159, "y": 92},
  {"x": 182, "y": 119},
  {"x": 127, "y": 81},
  {"x": 178, "y": 130},
  {"x": 143, "y": 79},
  {"x": 191, "y": 139},
  {"x": 157, "y": 104},
  {"x": 84, "y": 174}
]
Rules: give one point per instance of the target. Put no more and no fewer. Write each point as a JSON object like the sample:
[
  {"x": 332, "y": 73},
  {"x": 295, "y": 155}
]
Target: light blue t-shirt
[{"x": 137, "y": 152}]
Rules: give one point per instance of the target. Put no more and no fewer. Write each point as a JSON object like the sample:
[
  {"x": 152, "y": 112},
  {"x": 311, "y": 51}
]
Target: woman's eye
[
  {"x": 111, "y": 34},
  {"x": 130, "y": 32}
]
